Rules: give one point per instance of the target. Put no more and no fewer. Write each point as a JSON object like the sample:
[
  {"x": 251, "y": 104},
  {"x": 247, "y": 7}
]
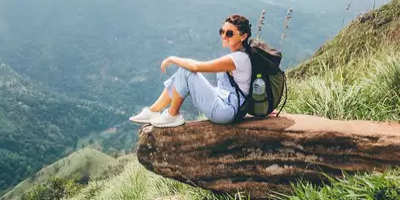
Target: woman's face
[{"x": 231, "y": 36}]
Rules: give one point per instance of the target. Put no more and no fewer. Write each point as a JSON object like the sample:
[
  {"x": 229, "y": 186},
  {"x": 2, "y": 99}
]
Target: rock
[{"x": 257, "y": 156}]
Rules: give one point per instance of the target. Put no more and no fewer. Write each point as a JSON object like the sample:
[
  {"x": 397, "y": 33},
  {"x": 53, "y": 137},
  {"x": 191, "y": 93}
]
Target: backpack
[{"x": 265, "y": 61}]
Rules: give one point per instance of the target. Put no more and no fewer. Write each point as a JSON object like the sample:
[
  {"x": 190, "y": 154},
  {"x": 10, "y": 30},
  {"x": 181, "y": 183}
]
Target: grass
[
  {"x": 86, "y": 161},
  {"x": 368, "y": 186},
  {"x": 135, "y": 182},
  {"x": 362, "y": 38},
  {"x": 365, "y": 89}
]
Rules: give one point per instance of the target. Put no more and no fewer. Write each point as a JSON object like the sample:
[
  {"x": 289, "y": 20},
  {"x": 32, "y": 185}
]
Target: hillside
[
  {"x": 87, "y": 163},
  {"x": 38, "y": 126},
  {"x": 365, "y": 36},
  {"x": 356, "y": 75}
]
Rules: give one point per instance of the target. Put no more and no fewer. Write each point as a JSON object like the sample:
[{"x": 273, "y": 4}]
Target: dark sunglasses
[{"x": 228, "y": 33}]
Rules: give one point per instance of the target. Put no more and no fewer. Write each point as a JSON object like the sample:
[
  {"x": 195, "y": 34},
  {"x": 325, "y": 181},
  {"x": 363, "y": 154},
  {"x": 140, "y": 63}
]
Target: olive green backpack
[{"x": 265, "y": 62}]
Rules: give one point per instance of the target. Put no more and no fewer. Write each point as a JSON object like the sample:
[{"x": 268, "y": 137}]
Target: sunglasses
[{"x": 228, "y": 33}]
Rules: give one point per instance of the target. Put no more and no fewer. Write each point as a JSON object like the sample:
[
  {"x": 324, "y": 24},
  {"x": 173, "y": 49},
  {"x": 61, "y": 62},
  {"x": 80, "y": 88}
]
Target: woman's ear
[{"x": 244, "y": 36}]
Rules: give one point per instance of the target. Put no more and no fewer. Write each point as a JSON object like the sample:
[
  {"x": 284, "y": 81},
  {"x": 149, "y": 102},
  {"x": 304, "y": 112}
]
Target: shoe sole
[
  {"x": 140, "y": 121},
  {"x": 175, "y": 124}
]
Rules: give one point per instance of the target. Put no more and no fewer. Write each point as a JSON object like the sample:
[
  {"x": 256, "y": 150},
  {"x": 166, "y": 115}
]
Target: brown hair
[{"x": 242, "y": 24}]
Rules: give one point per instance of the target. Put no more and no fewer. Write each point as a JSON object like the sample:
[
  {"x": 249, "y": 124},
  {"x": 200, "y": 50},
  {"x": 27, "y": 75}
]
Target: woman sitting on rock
[{"x": 219, "y": 104}]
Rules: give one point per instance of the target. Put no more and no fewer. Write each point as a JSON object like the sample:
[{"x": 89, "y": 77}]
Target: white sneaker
[
  {"x": 145, "y": 116},
  {"x": 166, "y": 120}
]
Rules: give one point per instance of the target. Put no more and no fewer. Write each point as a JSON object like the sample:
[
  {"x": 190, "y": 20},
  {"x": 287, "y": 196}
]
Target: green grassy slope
[
  {"x": 86, "y": 162},
  {"x": 356, "y": 75},
  {"x": 365, "y": 36}
]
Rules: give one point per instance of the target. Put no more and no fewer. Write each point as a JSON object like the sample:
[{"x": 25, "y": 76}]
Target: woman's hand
[
  {"x": 186, "y": 63},
  {"x": 167, "y": 62}
]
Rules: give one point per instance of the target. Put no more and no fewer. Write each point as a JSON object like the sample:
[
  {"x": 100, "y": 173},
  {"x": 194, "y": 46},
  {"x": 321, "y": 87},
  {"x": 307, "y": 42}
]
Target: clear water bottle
[{"x": 261, "y": 105}]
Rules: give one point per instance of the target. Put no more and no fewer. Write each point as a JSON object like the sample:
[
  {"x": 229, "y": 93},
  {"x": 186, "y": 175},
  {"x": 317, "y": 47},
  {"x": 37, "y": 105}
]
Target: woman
[{"x": 219, "y": 104}]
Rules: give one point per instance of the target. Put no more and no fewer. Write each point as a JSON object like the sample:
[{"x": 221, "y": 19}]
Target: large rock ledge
[{"x": 257, "y": 155}]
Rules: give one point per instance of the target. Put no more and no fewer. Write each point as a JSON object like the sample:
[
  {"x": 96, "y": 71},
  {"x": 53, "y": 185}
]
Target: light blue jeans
[{"x": 219, "y": 104}]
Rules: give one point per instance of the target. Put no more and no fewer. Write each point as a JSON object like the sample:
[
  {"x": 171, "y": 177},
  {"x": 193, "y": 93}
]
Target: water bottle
[{"x": 260, "y": 105}]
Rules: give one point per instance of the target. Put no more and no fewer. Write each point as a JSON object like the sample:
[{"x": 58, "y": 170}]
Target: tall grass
[
  {"x": 367, "y": 186},
  {"x": 132, "y": 183},
  {"x": 367, "y": 88},
  {"x": 137, "y": 183}
]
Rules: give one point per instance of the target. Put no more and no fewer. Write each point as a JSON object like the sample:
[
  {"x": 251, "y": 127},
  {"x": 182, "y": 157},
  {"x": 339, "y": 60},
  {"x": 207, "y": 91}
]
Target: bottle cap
[{"x": 258, "y": 75}]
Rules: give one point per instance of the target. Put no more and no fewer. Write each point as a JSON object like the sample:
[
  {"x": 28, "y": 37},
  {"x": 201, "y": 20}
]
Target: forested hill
[{"x": 37, "y": 126}]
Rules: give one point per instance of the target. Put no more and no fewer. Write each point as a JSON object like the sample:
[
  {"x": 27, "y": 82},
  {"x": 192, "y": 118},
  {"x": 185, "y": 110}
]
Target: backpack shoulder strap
[{"x": 234, "y": 84}]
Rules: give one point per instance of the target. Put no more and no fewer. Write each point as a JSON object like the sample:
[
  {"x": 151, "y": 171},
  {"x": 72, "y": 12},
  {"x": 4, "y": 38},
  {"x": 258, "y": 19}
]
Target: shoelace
[{"x": 165, "y": 112}]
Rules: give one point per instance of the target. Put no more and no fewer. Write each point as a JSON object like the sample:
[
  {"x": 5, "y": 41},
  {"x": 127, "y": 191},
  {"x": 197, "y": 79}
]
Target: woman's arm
[{"x": 221, "y": 64}]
